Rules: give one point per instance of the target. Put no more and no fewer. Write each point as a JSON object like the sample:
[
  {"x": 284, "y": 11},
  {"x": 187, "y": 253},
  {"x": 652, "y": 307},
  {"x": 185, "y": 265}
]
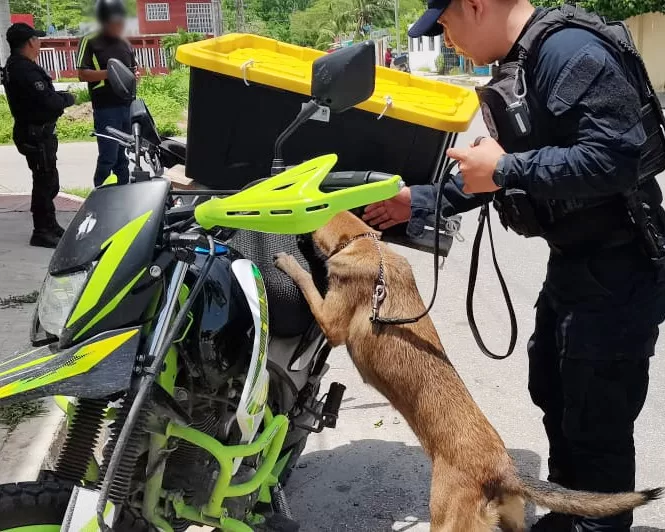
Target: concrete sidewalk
[{"x": 22, "y": 269}]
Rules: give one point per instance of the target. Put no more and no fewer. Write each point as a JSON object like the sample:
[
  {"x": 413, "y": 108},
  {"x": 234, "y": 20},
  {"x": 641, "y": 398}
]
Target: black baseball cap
[
  {"x": 428, "y": 25},
  {"x": 20, "y": 33}
]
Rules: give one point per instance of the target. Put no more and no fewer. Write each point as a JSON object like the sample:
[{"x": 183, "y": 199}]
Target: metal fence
[{"x": 58, "y": 55}]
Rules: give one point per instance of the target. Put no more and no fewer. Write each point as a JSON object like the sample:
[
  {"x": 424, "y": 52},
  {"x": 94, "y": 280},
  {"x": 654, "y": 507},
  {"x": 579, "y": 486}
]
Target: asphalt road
[{"x": 370, "y": 473}]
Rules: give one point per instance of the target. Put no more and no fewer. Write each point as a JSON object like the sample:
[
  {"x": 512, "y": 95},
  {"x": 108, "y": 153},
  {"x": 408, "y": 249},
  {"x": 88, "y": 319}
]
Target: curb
[{"x": 34, "y": 445}]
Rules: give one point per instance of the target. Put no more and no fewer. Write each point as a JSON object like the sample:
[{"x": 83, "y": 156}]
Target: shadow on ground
[{"x": 371, "y": 485}]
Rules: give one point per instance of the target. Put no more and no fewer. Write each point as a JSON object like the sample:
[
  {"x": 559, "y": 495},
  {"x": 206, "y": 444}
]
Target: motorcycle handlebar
[
  {"x": 341, "y": 180},
  {"x": 125, "y": 137}
]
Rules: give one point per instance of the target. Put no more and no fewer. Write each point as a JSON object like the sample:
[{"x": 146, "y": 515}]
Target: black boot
[
  {"x": 554, "y": 522},
  {"x": 44, "y": 238},
  {"x": 56, "y": 228}
]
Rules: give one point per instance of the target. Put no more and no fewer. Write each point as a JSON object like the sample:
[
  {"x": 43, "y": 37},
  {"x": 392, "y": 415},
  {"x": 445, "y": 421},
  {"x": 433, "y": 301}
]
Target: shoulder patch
[
  {"x": 576, "y": 78},
  {"x": 39, "y": 85}
]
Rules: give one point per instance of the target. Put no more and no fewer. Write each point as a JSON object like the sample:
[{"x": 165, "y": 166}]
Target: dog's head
[{"x": 338, "y": 231}]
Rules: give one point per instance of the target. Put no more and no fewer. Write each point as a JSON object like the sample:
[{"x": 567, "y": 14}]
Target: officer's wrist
[{"x": 499, "y": 176}]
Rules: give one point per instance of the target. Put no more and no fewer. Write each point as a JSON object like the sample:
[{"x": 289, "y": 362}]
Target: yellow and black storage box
[{"x": 245, "y": 89}]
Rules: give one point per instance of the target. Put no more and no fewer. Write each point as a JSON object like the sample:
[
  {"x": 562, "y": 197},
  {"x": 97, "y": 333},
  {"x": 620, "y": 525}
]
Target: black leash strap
[{"x": 473, "y": 275}]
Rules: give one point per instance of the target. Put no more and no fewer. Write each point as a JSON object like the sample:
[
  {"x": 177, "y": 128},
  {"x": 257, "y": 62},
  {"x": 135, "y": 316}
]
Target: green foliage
[
  {"x": 171, "y": 43},
  {"x": 81, "y": 96},
  {"x": 12, "y": 415},
  {"x": 65, "y": 14},
  {"x": 166, "y": 97},
  {"x": 614, "y": 9},
  {"x": 440, "y": 64},
  {"x": 6, "y": 122},
  {"x": 82, "y": 192},
  {"x": 326, "y": 21}
]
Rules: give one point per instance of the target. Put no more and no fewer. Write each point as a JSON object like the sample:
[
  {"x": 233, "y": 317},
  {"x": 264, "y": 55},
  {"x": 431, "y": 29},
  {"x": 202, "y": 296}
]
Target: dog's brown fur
[{"x": 475, "y": 485}]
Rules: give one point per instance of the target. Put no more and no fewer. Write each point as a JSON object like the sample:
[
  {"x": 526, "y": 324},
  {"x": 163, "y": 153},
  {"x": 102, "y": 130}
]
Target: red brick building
[{"x": 166, "y": 16}]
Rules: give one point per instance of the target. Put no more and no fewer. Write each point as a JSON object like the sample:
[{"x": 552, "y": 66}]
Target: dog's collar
[
  {"x": 380, "y": 286},
  {"x": 350, "y": 241}
]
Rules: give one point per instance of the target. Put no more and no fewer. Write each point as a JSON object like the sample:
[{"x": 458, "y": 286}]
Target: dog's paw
[{"x": 287, "y": 263}]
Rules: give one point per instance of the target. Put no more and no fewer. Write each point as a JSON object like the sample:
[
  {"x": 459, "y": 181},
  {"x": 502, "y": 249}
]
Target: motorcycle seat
[{"x": 288, "y": 311}]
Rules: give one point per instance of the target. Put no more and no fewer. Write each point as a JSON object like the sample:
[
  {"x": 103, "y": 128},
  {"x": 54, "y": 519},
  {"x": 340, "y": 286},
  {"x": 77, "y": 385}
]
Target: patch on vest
[
  {"x": 489, "y": 121},
  {"x": 39, "y": 85}
]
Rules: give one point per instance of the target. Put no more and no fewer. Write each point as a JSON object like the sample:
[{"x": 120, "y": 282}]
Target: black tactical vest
[{"x": 510, "y": 108}]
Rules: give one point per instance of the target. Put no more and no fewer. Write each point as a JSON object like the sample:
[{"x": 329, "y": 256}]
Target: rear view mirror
[
  {"x": 122, "y": 80},
  {"x": 344, "y": 78}
]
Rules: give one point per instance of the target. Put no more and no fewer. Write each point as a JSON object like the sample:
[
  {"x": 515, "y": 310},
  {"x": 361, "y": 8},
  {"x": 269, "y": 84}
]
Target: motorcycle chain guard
[{"x": 291, "y": 203}]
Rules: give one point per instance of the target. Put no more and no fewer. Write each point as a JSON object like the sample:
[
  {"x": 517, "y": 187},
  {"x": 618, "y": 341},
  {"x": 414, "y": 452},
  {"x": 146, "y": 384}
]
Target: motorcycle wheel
[{"x": 41, "y": 507}]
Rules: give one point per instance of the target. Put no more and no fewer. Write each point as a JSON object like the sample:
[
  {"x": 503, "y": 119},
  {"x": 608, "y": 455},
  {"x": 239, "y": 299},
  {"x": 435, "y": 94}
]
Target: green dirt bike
[{"x": 179, "y": 341}]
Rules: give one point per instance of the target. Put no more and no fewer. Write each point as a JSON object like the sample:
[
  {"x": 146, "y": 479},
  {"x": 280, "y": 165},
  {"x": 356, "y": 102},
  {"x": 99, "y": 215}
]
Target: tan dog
[{"x": 475, "y": 485}]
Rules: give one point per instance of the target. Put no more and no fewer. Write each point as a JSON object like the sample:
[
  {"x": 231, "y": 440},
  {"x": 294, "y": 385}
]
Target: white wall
[
  {"x": 423, "y": 52},
  {"x": 649, "y": 34}
]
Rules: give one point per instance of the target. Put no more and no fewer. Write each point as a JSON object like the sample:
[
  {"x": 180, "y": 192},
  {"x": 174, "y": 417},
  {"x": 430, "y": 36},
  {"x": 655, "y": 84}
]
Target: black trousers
[
  {"x": 41, "y": 153},
  {"x": 596, "y": 328}
]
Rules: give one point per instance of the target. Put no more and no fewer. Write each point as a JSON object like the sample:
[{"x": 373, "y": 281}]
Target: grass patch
[
  {"x": 82, "y": 192},
  {"x": 165, "y": 96},
  {"x": 19, "y": 301},
  {"x": 12, "y": 415}
]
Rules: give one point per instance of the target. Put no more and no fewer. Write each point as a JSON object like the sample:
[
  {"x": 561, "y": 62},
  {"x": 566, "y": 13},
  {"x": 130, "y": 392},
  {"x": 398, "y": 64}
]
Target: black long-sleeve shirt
[{"x": 31, "y": 95}]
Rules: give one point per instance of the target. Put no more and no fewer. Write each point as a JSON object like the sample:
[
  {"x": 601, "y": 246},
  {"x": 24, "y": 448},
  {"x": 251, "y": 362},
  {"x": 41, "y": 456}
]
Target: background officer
[
  {"x": 575, "y": 137},
  {"x": 35, "y": 106},
  {"x": 108, "y": 109}
]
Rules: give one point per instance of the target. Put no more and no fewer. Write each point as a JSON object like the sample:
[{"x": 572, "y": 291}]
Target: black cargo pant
[
  {"x": 596, "y": 327},
  {"x": 40, "y": 147}
]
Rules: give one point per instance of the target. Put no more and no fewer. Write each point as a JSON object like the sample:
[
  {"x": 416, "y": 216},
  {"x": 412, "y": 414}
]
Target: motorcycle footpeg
[{"x": 333, "y": 402}]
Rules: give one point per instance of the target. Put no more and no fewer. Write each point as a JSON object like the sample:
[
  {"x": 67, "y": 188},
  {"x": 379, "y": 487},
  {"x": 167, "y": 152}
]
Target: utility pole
[
  {"x": 5, "y": 21},
  {"x": 217, "y": 18},
  {"x": 397, "y": 27},
  {"x": 240, "y": 16},
  {"x": 48, "y": 15}
]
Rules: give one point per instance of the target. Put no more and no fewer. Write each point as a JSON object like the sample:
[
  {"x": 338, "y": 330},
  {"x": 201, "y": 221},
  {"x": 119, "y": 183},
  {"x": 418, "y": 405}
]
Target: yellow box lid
[{"x": 415, "y": 99}]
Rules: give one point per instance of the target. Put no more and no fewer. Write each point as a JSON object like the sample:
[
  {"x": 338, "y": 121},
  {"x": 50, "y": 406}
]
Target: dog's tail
[{"x": 583, "y": 503}]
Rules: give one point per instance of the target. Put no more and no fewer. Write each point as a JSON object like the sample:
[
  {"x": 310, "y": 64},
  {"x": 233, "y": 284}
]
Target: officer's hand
[
  {"x": 477, "y": 165},
  {"x": 385, "y": 214},
  {"x": 68, "y": 97}
]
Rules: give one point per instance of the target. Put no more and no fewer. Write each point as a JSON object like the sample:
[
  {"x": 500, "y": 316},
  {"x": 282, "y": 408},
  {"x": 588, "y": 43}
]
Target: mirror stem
[
  {"x": 307, "y": 112},
  {"x": 136, "y": 127}
]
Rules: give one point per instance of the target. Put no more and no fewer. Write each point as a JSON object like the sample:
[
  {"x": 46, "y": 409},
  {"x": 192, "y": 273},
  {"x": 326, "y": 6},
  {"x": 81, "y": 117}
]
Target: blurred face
[
  {"x": 470, "y": 27},
  {"x": 115, "y": 28}
]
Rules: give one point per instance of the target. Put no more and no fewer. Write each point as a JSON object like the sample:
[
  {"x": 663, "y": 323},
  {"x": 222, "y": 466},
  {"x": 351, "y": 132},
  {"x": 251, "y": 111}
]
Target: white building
[{"x": 423, "y": 52}]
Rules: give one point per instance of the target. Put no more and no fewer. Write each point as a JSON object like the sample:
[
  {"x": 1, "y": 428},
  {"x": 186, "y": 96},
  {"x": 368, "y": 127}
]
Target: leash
[
  {"x": 381, "y": 291},
  {"x": 484, "y": 218}
]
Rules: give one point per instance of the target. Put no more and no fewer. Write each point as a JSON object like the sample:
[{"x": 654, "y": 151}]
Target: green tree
[
  {"x": 32, "y": 7},
  {"x": 171, "y": 43},
  {"x": 614, "y": 9},
  {"x": 333, "y": 29},
  {"x": 365, "y": 13},
  {"x": 313, "y": 25}
]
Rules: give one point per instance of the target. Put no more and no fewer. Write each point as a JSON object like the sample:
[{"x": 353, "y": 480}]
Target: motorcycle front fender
[{"x": 96, "y": 368}]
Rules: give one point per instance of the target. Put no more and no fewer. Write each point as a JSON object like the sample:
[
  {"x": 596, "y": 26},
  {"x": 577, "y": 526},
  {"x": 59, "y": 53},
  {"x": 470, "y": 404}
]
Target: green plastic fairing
[{"x": 291, "y": 202}]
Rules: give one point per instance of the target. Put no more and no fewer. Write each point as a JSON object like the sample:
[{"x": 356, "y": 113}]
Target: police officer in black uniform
[
  {"x": 35, "y": 106},
  {"x": 577, "y": 141}
]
